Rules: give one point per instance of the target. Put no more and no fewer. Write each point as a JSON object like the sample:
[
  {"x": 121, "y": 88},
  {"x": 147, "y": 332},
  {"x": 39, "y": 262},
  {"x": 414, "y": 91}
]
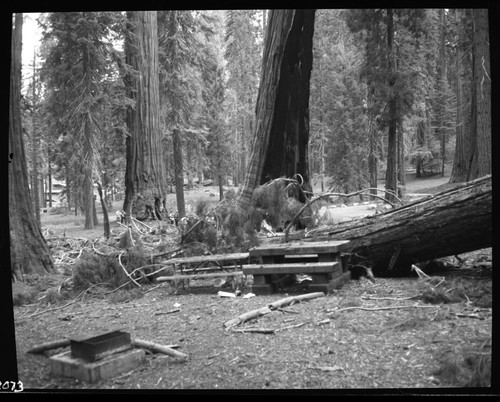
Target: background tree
[
  {"x": 243, "y": 54},
  {"x": 29, "y": 252},
  {"x": 77, "y": 69},
  {"x": 181, "y": 49},
  {"x": 214, "y": 90},
  {"x": 480, "y": 164},
  {"x": 282, "y": 132},
  {"x": 338, "y": 142},
  {"x": 145, "y": 171}
]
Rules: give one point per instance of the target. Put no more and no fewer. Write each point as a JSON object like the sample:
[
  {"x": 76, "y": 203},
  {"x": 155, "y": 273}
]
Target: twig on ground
[
  {"x": 377, "y": 308},
  {"x": 36, "y": 313},
  {"x": 272, "y": 306},
  {"x": 290, "y": 326},
  {"x": 175, "y": 310}
]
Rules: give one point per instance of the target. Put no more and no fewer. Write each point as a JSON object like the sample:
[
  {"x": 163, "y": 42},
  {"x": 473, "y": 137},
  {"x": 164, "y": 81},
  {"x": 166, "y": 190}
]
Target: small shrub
[
  {"x": 450, "y": 371},
  {"x": 202, "y": 208},
  {"x": 24, "y": 296},
  {"x": 93, "y": 269},
  {"x": 480, "y": 367}
]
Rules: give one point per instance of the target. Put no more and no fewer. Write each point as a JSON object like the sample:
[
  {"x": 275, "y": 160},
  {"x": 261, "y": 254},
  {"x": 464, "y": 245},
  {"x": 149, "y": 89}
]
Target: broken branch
[
  {"x": 155, "y": 347},
  {"x": 273, "y": 306}
]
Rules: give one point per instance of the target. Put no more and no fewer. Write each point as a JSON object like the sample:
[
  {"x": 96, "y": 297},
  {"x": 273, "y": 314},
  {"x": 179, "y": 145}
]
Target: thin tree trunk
[
  {"x": 459, "y": 170},
  {"x": 29, "y": 252},
  {"x": 104, "y": 211},
  {"x": 179, "y": 173},
  {"x": 36, "y": 147},
  {"x": 392, "y": 149}
]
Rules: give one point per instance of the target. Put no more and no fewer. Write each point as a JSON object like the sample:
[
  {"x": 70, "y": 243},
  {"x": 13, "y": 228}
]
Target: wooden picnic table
[
  {"x": 281, "y": 262},
  {"x": 222, "y": 264}
]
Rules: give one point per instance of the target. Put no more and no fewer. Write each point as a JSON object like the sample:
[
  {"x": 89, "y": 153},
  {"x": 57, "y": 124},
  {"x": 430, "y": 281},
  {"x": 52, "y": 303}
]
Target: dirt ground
[{"x": 392, "y": 334}]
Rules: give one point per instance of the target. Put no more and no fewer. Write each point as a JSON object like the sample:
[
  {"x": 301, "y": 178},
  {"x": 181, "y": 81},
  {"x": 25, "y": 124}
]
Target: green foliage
[{"x": 92, "y": 269}]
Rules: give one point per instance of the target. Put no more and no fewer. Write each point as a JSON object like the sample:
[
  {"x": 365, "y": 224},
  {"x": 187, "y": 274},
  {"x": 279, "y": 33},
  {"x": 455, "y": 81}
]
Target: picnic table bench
[
  {"x": 222, "y": 264},
  {"x": 322, "y": 260}
]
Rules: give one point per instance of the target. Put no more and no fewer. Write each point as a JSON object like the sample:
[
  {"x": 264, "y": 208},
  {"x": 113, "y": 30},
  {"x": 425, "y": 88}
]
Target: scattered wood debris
[{"x": 272, "y": 306}]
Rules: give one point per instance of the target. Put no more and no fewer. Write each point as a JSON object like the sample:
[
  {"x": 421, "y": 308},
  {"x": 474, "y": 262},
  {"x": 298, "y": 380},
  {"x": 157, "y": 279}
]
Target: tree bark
[
  {"x": 145, "y": 171},
  {"x": 481, "y": 160},
  {"x": 459, "y": 170},
  {"x": 104, "y": 211},
  {"x": 179, "y": 172},
  {"x": 392, "y": 148},
  {"x": 448, "y": 223},
  {"x": 29, "y": 252},
  {"x": 280, "y": 146}
]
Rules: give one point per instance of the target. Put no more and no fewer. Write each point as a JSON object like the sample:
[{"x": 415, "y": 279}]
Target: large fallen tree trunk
[{"x": 451, "y": 222}]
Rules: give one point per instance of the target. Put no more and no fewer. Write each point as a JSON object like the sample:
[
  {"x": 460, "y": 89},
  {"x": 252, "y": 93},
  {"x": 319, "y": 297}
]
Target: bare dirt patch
[
  {"x": 364, "y": 335},
  {"x": 394, "y": 333}
]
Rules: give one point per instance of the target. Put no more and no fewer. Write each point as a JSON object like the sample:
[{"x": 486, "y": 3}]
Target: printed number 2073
[{"x": 11, "y": 386}]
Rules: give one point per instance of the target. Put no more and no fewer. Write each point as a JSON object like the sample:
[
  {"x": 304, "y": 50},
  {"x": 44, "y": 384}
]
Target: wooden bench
[
  {"x": 216, "y": 262},
  {"x": 281, "y": 262}
]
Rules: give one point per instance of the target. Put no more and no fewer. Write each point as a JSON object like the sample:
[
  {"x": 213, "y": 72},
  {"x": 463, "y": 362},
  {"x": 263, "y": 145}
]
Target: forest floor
[{"x": 396, "y": 333}]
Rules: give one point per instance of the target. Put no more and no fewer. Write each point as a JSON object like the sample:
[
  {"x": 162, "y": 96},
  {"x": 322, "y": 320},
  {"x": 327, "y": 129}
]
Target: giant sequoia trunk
[
  {"x": 282, "y": 112},
  {"x": 448, "y": 223},
  {"x": 29, "y": 252},
  {"x": 145, "y": 172}
]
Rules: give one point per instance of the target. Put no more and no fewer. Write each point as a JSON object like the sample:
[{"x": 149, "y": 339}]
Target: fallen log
[
  {"x": 60, "y": 343},
  {"x": 157, "y": 348},
  {"x": 451, "y": 222}
]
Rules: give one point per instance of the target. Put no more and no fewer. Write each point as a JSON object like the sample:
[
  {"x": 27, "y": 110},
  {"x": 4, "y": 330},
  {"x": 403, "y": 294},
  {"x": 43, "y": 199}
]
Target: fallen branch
[
  {"x": 255, "y": 330},
  {"x": 267, "y": 309},
  {"x": 175, "y": 310},
  {"x": 377, "y": 308},
  {"x": 155, "y": 347},
  {"x": 60, "y": 343},
  {"x": 290, "y": 326},
  {"x": 124, "y": 270}
]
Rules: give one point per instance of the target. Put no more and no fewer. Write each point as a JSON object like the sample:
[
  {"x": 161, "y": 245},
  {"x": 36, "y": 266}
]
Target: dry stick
[
  {"x": 267, "y": 309},
  {"x": 60, "y": 343},
  {"x": 155, "y": 347},
  {"x": 57, "y": 308},
  {"x": 124, "y": 270},
  {"x": 287, "y": 229},
  {"x": 142, "y": 223},
  {"x": 290, "y": 326},
  {"x": 377, "y": 308},
  {"x": 175, "y": 310}
]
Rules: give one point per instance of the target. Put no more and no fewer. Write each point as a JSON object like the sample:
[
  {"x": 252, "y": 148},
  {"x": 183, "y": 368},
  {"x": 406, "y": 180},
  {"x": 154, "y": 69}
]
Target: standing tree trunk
[
  {"x": 280, "y": 146},
  {"x": 392, "y": 146},
  {"x": 104, "y": 211},
  {"x": 481, "y": 158},
  {"x": 145, "y": 171},
  {"x": 36, "y": 146},
  {"x": 179, "y": 172},
  {"x": 29, "y": 252},
  {"x": 372, "y": 156},
  {"x": 459, "y": 171}
]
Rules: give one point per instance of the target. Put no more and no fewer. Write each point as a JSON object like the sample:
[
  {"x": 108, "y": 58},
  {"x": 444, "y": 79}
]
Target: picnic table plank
[
  {"x": 291, "y": 268},
  {"x": 332, "y": 246},
  {"x": 207, "y": 258}
]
